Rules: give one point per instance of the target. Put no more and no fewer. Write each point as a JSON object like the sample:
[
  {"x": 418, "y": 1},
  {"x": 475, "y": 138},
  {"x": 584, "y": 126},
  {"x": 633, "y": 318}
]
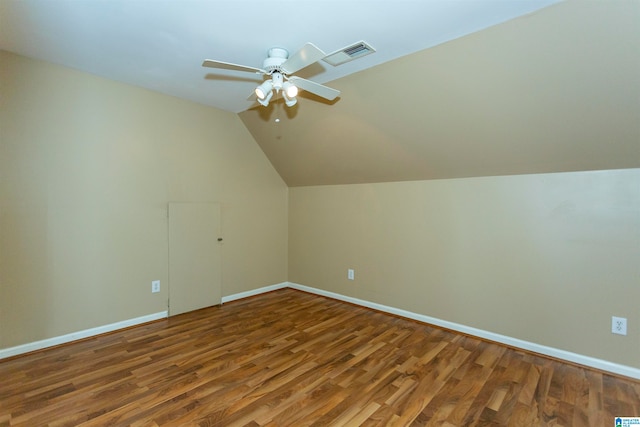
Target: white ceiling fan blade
[
  {"x": 315, "y": 88},
  {"x": 307, "y": 55},
  {"x": 211, "y": 63}
]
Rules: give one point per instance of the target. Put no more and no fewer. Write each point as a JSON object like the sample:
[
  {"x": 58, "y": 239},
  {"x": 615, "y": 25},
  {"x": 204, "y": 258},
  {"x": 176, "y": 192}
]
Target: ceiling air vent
[{"x": 349, "y": 53}]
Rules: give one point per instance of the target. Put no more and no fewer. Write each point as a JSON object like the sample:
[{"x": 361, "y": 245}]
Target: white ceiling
[{"x": 160, "y": 44}]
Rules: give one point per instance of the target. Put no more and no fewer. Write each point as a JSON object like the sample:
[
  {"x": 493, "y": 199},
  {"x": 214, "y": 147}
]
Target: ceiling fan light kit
[
  {"x": 265, "y": 88},
  {"x": 265, "y": 100},
  {"x": 289, "y": 93},
  {"x": 290, "y": 89},
  {"x": 279, "y": 65}
]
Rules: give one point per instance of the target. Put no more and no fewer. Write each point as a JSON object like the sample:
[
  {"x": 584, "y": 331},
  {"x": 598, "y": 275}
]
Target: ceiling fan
[{"x": 279, "y": 67}]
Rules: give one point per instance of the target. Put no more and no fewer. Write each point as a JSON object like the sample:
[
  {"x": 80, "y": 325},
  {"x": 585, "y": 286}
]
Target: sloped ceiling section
[{"x": 554, "y": 91}]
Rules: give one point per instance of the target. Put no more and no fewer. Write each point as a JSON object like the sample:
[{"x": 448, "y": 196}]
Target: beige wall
[
  {"x": 543, "y": 258},
  {"x": 87, "y": 167}
]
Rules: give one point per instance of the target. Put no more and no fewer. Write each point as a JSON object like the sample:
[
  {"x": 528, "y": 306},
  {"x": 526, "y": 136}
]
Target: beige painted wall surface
[
  {"x": 87, "y": 167},
  {"x": 544, "y": 258}
]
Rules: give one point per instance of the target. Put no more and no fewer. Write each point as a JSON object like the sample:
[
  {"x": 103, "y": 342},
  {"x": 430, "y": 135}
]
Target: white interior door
[{"x": 194, "y": 256}]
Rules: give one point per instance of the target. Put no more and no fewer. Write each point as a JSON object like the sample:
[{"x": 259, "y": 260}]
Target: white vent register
[{"x": 349, "y": 53}]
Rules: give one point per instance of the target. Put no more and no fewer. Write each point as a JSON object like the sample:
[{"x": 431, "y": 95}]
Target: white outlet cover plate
[
  {"x": 155, "y": 286},
  {"x": 619, "y": 325}
]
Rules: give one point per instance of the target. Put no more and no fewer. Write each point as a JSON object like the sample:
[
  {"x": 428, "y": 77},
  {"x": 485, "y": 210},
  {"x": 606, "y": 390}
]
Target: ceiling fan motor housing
[{"x": 277, "y": 56}]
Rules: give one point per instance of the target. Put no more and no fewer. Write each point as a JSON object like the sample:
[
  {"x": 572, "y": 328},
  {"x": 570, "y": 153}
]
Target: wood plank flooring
[{"x": 288, "y": 358}]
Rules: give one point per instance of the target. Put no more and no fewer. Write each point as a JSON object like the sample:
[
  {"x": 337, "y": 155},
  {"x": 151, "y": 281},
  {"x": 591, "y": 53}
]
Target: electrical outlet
[
  {"x": 619, "y": 325},
  {"x": 350, "y": 274},
  {"x": 155, "y": 286}
]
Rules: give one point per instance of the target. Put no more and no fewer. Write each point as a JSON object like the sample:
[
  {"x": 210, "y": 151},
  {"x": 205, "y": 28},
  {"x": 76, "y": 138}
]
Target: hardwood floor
[{"x": 288, "y": 358}]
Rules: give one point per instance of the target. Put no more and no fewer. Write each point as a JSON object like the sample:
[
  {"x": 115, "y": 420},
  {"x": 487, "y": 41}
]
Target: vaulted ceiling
[
  {"x": 455, "y": 89},
  {"x": 554, "y": 91}
]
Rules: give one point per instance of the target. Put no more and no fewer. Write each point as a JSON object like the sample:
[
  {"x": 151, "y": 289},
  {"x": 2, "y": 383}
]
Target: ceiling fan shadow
[
  {"x": 263, "y": 112},
  {"x": 275, "y": 107},
  {"x": 224, "y": 77}
]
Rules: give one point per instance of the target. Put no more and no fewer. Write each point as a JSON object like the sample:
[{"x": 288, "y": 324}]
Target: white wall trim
[
  {"x": 604, "y": 365},
  {"x": 74, "y": 336},
  {"x": 254, "y": 292},
  {"x": 592, "y": 362}
]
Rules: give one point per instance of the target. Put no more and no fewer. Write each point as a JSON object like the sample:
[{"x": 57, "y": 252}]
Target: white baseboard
[
  {"x": 63, "y": 339},
  {"x": 74, "y": 336},
  {"x": 255, "y": 292},
  {"x": 603, "y": 365}
]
